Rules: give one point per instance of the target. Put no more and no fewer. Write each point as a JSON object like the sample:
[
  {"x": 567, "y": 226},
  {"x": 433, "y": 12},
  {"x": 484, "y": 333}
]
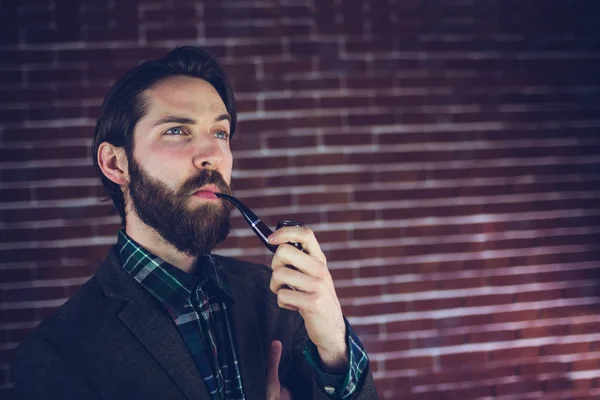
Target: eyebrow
[
  {"x": 188, "y": 121},
  {"x": 223, "y": 117}
]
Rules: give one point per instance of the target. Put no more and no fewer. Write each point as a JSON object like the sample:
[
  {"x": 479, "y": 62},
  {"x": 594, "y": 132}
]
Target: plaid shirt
[{"x": 198, "y": 305}]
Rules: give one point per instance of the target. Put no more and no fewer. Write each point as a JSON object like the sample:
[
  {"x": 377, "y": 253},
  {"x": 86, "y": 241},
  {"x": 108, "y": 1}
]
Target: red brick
[
  {"x": 557, "y": 384},
  {"x": 539, "y": 295},
  {"x": 351, "y": 254},
  {"x": 261, "y": 163},
  {"x": 582, "y": 328},
  {"x": 344, "y": 102},
  {"x": 537, "y": 368},
  {"x": 309, "y": 48},
  {"x": 461, "y": 359},
  {"x": 514, "y": 316},
  {"x": 567, "y": 311},
  {"x": 36, "y": 254},
  {"x": 213, "y": 30},
  {"x": 345, "y": 273},
  {"x": 216, "y": 12},
  {"x": 167, "y": 33},
  {"x": 62, "y": 75},
  {"x": 347, "y": 139},
  {"x": 457, "y": 393},
  {"x": 350, "y": 215},
  {"x": 380, "y": 308},
  {"x": 15, "y": 335},
  {"x": 488, "y": 300},
  {"x": 564, "y": 348},
  {"x": 182, "y": 12},
  {"x": 491, "y": 336},
  {"x": 16, "y": 275},
  {"x": 408, "y": 363},
  {"x": 18, "y": 315},
  {"x": 434, "y": 304},
  {"x": 313, "y": 83},
  {"x": 33, "y": 294},
  {"x": 543, "y": 331},
  {"x": 437, "y": 341},
  {"x": 15, "y": 195},
  {"x": 584, "y": 365},
  {"x": 282, "y": 68},
  {"x": 410, "y": 287},
  {"x": 410, "y": 326},
  {"x": 583, "y": 291},
  {"x": 56, "y": 271},
  {"x": 323, "y": 198},
  {"x": 266, "y": 49},
  {"x": 49, "y": 153},
  {"x": 58, "y": 193},
  {"x": 454, "y": 284},
  {"x": 522, "y": 387},
  {"x": 453, "y": 322},
  {"x": 516, "y": 353},
  {"x": 447, "y": 376},
  {"x": 382, "y": 346},
  {"x": 488, "y": 372},
  {"x": 246, "y": 105},
  {"x": 276, "y": 142},
  {"x": 586, "y": 385},
  {"x": 358, "y": 290},
  {"x": 394, "y": 385},
  {"x": 8, "y": 354},
  {"x": 318, "y": 159}
]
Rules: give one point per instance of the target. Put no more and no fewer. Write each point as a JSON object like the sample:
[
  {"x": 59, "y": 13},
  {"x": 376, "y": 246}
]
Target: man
[{"x": 163, "y": 318}]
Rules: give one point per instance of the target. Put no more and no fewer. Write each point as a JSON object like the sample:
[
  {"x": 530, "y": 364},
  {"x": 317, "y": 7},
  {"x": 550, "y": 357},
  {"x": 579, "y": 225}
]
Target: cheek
[
  {"x": 163, "y": 165},
  {"x": 227, "y": 166}
]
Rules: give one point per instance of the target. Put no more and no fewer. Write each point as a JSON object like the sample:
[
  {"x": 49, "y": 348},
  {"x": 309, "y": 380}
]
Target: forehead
[{"x": 184, "y": 94}]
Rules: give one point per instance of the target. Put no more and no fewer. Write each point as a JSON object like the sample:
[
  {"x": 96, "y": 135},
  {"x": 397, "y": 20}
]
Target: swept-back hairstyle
[{"x": 125, "y": 105}]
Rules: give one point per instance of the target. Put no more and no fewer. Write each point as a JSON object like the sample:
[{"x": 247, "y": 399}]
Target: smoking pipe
[{"x": 259, "y": 227}]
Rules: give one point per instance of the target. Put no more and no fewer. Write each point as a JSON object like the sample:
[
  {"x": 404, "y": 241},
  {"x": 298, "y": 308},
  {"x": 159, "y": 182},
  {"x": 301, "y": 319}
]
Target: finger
[
  {"x": 284, "y": 276},
  {"x": 299, "y": 234},
  {"x": 285, "y": 394},
  {"x": 295, "y": 300},
  {"x": 273, "y": 385},
  {"x": 291, "y": 256}
]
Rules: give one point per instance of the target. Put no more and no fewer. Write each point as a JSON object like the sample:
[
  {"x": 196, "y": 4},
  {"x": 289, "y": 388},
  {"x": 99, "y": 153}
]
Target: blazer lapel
[
  {"x": 158, "y": 334},
  {"x": 153, "y": 327},
  {"x": 249, "y": 341}
]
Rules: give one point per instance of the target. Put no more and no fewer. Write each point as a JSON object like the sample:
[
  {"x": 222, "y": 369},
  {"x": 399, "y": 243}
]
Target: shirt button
[{"x": 329, "y": 389}]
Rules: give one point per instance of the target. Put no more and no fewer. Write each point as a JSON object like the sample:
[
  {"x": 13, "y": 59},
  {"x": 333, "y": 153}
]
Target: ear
[{"x": 113, "y": 163}]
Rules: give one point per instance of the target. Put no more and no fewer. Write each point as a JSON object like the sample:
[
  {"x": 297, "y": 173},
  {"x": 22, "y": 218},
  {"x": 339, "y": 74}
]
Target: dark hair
[{"x": 124, "y": 104}]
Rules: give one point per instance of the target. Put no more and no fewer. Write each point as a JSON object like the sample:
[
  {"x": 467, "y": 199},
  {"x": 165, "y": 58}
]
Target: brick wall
[{"x": 445, "y": 152}]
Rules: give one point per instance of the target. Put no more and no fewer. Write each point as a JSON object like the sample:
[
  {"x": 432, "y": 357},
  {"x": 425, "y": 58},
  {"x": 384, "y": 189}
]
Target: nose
[{"x": 207, "y": 154}]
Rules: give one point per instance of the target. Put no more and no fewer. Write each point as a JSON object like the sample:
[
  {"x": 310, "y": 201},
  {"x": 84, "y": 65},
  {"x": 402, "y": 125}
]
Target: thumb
[{"x": 273, "y": 385}]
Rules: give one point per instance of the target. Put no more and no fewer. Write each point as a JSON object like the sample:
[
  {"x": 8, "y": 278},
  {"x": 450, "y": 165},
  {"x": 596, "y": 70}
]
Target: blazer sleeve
[
  {"x": 42, "y": 373},
  {"x": 301, "y": 379}
]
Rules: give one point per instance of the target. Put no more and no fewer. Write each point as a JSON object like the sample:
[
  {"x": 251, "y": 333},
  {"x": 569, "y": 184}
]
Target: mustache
[{"x": 206, "y": 177}]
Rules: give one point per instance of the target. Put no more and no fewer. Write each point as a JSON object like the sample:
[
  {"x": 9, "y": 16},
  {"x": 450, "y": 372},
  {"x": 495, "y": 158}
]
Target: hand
[
  {"x": 274, "y": 389},
  {"x": 313, "y": 294}
]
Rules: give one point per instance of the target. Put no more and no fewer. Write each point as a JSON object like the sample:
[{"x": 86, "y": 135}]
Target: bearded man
[{"x": 163, "y": 317}]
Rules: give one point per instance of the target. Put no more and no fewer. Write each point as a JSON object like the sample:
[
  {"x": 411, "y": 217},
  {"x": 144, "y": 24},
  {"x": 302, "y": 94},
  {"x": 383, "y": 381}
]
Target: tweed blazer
[{"x": 114, "y": 340}]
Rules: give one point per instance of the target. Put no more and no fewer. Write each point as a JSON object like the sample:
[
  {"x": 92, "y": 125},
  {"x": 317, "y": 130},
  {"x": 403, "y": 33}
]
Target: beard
[{"x": 192, "y": 231}]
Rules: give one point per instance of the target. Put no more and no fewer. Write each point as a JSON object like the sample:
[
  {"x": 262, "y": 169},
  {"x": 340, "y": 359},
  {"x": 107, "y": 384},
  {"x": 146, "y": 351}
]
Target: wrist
[{"x": 334, "y": 360}]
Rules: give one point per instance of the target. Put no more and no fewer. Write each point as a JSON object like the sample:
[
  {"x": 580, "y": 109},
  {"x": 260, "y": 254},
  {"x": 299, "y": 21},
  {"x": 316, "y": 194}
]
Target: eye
[
  {"x": 175, "y": 131},
  {"x": 222, "y": 135}
]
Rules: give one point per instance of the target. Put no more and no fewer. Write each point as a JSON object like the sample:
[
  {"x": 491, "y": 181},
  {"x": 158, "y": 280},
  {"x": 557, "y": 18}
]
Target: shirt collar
[{"x": 141, "y": 263}]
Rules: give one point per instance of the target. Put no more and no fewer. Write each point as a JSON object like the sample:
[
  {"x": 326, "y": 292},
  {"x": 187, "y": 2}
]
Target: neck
[{"x": 149, "y": 239}]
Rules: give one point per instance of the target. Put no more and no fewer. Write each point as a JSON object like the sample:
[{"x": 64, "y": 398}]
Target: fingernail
[{"x": 270, "y": 238}]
